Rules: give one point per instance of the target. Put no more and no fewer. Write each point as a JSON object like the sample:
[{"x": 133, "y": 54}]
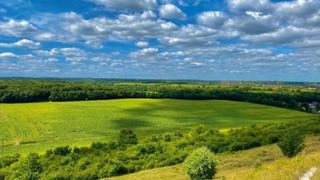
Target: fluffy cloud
[
  {"x": 249, "y": 5},
  {"x": 130, "y": 5},
  {"x": 22, "y": 43},
  {"x": 95, "y": 31},
  {"x": 66, "y": 52},
  {"x": 170, "y": 11},
  {"x": 17, "y": 28},
  {"x": 214, "y": 19},
  {"x": 7, "y": 55},
  {"x": 297, "y": 8},
  {"x": 190, "y": 36},
  {"x": 254, "y": 23},
  {"x": 142, "y": 44},
  {"x": 145, "y": 53}
]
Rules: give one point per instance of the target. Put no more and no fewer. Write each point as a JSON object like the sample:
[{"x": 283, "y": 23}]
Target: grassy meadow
[
  {"x": 37, "y": 127},
  {"x": 262, "y": 163}
]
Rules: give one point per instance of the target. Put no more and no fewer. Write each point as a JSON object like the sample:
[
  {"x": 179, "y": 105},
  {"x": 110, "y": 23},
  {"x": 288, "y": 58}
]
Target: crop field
[{"x": 38, "y": 126}]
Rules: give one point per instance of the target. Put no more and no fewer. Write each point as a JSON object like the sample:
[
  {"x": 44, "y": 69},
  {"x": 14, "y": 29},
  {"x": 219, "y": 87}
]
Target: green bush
[
  {"x": 291, "y": 143},
  {"x": 30, "y": 168},
  {"x": 201, "y": 164},
  {"x": 127, "y": 136},
  {"x": 8, "y": 160},
  {"x": 62, "y": 150}
]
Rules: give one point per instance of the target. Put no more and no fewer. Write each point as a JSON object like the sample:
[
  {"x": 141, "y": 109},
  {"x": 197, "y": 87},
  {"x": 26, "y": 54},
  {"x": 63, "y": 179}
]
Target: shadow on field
[
  {"x": 178, "y": 111},
  {"x": 131, "y": 123}
]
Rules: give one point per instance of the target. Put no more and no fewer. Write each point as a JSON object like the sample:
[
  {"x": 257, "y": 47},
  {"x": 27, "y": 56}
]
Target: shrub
[
  {"x": 291, "y": 143},
  {"x": 200, "y": 164},
  {"x": 8, "y": 160},
  {"x": 167, "y": 137},
  {"x": 117, "y": 168},
  {"x": 30, "y": 168},
  {"x": 148, "y": 148},
  {"x": 62, "y": 150},
  {"x": 127, "y": 136}
]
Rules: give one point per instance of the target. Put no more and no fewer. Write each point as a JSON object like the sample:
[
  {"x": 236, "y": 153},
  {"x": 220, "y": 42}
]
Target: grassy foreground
[
  {"x": 39, "y": 126},
  {"x": 263, "y": 163}
]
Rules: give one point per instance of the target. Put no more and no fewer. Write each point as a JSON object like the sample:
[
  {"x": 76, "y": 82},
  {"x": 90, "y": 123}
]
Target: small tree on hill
[
  {"x": 200, "y": 164},
  {"x": 127, "y": 136},
  {"x": 30, "y": 168},
  {"x": 291, "y": 143}
]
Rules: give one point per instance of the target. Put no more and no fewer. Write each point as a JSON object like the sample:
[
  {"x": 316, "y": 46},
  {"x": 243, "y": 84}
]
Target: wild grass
[{"x": 263, "y": 163}]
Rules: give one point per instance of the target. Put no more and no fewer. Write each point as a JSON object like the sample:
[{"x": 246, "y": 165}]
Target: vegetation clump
[
  {"x": 201, "y": 164},
  {"x": 30, "y": 168},
  {"x": 128, "y": 154},
  {"x": 127, "y": 136},
  {"x": 291, "y": 143}
]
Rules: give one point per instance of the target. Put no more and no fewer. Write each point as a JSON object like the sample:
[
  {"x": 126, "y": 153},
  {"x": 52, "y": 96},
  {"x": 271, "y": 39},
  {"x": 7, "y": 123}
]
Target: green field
[{"x": 39, "y": 126}]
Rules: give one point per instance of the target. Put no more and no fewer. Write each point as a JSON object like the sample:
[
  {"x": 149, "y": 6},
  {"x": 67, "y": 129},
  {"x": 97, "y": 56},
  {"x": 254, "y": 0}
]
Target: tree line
[{"x": 16, "y": 91}]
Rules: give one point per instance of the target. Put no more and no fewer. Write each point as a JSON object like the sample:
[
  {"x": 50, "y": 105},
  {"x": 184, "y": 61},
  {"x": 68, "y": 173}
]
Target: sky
[{"x": 273, "y": 40}]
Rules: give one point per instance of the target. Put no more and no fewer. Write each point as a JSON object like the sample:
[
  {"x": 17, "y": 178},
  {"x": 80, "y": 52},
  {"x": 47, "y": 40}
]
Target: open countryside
[{"x": 159, "y": 89}]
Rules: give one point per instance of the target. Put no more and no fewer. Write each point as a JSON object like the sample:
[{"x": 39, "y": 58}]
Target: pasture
[{"x": 35, "y": 127}]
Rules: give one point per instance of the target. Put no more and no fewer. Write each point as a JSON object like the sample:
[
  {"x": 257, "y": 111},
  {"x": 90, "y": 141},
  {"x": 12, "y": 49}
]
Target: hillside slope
[
  {"x": 40, "y": 126},
  {"x": 263, "y": 163}
]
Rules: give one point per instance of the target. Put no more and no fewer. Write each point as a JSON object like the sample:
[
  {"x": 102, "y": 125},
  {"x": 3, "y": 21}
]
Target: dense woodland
[
  {"x": 128, "y": 154},
  {"x": 297, "y": 97}
]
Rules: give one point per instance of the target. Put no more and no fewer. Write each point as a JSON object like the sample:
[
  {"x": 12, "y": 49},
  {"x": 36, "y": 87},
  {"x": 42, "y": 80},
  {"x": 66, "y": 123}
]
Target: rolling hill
[{"x": 38, "y": 126}]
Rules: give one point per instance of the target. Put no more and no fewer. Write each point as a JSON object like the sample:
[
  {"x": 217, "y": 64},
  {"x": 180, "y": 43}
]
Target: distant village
[{"x": 313, "y": 107}]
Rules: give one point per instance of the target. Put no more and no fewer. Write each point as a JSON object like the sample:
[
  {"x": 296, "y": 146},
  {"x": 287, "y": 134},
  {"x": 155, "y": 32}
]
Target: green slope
[
  {"x": 46, "y": 125},
  {"x": 262, "y": 163}
]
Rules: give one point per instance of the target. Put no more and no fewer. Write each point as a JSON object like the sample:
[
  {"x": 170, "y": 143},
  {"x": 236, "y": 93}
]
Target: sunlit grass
[
  {"x": 39, "y": 126},
  {"x": 263, "y": 163}
]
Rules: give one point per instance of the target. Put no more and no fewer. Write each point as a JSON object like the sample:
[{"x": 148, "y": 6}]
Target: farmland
[{"x": 35, "y": 127}]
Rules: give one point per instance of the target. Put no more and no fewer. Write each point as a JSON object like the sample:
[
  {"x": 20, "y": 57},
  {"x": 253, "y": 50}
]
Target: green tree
[
  {"x": 30, "y": 168},
  {"x": 127, "y": 136},
  {"x": 291, "y": 143},
  {"x": 201, "y": 164}
]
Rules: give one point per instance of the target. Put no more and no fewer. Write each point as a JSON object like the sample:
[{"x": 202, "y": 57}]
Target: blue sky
[{"x": 161, "y": 39}]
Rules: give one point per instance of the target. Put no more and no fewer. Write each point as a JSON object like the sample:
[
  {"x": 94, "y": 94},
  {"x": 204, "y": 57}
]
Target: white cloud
[
  {"x": 17, "y": 28},
  {"x": 190, "y": 36},
  {"x": 22, "y": 43},
  {"x": 249, "y": 5},
  {"x": 95, "y": 31},
  {"x": 142, "y": 44},
  {"x": 146, "y": 53},
  {"x": 7, "y": 55},
  {"x": 214, "y": 19},
  {"x": 284, "y": 35},
  {"x": 170, "y": 11},
  {"x": 129, "y": 5},
  {"x": 297, "y": 8},
  {"x": 66, "y": 52}
]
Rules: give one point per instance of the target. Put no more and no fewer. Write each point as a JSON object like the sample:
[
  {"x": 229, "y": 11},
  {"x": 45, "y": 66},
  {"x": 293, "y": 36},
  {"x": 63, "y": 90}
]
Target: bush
[
  {"x": 30, "y": 168},
  {"x": 201, "y": 164},
  {"x": 8, "y": 160},
  {"x": 63, "y": 151},
  {"x": 127, "y": 136},
  {"x": 291, "y": 143}
]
